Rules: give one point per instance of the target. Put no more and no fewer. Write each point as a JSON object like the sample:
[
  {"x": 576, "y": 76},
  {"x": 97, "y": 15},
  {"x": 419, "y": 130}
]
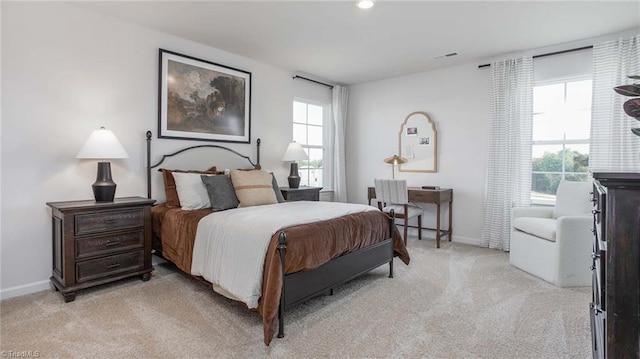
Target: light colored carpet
[{"x": 459, "y": 301}]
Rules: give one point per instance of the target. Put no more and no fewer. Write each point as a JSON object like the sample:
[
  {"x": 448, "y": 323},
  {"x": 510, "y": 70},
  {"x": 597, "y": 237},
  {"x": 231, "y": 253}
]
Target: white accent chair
[
  {"x": 555, "y": 243},
  {"x": 394, "y": 195}
]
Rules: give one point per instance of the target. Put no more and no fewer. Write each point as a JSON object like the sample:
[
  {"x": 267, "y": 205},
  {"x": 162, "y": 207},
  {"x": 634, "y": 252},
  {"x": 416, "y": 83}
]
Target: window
[
  {"x": 309, "y": 131},
  {"x": 561, "y": 128}
]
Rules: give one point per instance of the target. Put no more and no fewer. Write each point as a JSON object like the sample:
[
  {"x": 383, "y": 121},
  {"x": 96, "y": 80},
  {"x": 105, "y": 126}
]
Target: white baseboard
[
  {"x": 458, "y": 239},
  {"x": 44, "y": 285},
  {"x": 25, "y": 289},
  {"x": 466, "y": 240}
]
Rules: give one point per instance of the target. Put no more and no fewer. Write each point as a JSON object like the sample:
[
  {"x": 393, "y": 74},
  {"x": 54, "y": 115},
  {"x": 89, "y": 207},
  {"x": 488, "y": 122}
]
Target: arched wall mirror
[{"x": 418, "y": 144}]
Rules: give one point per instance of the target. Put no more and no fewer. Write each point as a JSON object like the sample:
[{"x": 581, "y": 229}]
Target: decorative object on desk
[
  {"x": 294, "y": 153},
  {"x": 431, "y": 187},
  {"x": 202, "y": 100},
  {"x": 393, "y": 161},
  {"x": 102, "y": 145},
  {"x": 632, "y": 106},
  {"x": 418, "y": 143}
]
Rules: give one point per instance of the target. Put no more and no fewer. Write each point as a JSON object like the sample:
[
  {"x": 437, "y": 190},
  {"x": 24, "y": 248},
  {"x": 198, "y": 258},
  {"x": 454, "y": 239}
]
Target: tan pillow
[
  {"x": 253, "y": 188},
  {"x": 171, "y": 194}
]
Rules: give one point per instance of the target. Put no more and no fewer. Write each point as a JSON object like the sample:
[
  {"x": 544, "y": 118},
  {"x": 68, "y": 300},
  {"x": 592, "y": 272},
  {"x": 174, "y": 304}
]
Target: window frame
[
  {"x": 327, "y": 140},
  {"x": 564, "y": 142}
]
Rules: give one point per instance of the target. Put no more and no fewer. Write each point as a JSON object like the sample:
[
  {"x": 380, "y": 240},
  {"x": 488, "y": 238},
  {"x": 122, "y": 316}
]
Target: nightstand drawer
[
  {"x": 301, "y": 194},
  {"x": 92, "y": 246},
  {"x": 104, "y": 267},
  {"x": 107, "y": 221},
  {"x": 304, "y": 196}
]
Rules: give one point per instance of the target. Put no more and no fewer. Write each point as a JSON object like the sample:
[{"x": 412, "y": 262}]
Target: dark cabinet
[
  {"x": 615, "y": 307},
  {"x": 99, "y": 242}
]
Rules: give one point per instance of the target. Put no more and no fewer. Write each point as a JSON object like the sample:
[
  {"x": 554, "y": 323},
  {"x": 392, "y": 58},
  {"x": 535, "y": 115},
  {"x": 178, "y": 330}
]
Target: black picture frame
[{"x": 203, "y": 101}]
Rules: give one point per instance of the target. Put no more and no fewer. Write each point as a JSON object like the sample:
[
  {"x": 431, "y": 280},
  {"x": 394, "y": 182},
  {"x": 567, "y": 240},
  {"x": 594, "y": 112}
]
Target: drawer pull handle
[
  {"x": 113, "y": 266},
  {"x": 595, "y": 256},
  {"x": 596, "y": 211},
  {"x": 112, "y": 243},
  {"x": 592, "y": 267},
  {"x": 110, "y": 221}
]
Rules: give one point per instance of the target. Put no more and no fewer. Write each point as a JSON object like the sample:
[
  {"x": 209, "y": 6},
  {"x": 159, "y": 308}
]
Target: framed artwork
[{"x": 202, "y": 100}]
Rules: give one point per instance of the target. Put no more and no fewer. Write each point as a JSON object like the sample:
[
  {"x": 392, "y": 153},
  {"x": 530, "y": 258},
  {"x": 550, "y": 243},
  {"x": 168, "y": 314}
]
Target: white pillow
[
  {"x": 572, "y": 199},
  {"x": 191, "y": 191}
]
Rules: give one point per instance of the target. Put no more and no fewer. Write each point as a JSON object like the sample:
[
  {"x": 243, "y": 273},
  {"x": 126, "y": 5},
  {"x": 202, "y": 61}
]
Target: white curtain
[
  {"x": 339, "y": 105},
  {"x": 508, "y": 177},
  {"x": 613, "y": 147}
]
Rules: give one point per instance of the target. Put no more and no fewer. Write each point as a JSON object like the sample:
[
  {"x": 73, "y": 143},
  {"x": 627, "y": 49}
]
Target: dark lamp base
[
  {"x": 294, "y": 181},
  {"x": 294, "y": 178},
  {"x": 104, "y": 189}
]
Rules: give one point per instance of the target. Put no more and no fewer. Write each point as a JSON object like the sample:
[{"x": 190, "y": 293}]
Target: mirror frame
[{"x": 433, "y": 153}]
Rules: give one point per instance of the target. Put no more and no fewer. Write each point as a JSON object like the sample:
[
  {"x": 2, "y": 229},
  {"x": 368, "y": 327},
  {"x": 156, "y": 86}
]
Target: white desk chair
[{"x": 393, "y": 195}]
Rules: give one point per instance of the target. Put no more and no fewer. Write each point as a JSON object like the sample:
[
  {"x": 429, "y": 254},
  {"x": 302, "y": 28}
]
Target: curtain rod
[
  {"x": 318, "y": 82},
  {"x": 550, "y": 54}
]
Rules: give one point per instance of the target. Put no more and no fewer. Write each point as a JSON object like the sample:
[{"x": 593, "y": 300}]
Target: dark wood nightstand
[
  {"x": 301, "y": 194},
  {"x": 100, "y": 242}
]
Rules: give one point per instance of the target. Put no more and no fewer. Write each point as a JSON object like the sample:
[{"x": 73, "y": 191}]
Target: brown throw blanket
[{"x": 308, "y": 247}]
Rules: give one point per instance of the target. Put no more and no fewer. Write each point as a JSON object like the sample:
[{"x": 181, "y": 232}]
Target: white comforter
[{"x": 231, "y": 246}]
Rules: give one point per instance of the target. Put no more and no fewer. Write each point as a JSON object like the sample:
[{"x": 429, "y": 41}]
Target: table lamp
[
  {"x": 394, "y": 160},
  {"x": 294, "y": 153},
  {"x": 102, "y": 145}
]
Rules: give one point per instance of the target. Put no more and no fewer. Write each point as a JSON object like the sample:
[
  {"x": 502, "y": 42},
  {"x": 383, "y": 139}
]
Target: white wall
[
  {"x": 456, "y": 99},
  {"x": 65, "y": 72}
]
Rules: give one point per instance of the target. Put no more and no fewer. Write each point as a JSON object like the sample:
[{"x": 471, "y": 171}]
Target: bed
[{"x": 316, "y": 255}]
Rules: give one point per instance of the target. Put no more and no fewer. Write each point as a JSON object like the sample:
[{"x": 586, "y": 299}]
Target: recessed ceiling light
[{"x": 365, "y": 4}]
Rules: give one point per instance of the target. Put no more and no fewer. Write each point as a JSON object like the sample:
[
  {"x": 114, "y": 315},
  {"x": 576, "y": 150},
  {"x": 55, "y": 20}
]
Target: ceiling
[{"x": 337, "y": 42}]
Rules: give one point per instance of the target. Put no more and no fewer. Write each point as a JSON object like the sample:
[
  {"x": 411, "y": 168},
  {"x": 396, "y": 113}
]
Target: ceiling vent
[{"x": 451, "y": 54}]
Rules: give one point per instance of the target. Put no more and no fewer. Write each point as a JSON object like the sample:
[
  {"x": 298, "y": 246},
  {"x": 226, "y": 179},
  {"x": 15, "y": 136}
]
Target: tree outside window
[{"x": 561, "y": 130}]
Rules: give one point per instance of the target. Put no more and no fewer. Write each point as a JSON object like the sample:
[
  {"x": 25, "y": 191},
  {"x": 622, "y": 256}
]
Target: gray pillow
[
  {"x": 221, "y": 192},
  {"x": 276, "y": 189}
]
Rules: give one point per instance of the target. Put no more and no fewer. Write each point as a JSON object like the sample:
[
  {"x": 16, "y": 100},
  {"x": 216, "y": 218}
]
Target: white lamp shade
[
  {"x": 102, "y": 144},
  {"x": 294, "y": 152}
]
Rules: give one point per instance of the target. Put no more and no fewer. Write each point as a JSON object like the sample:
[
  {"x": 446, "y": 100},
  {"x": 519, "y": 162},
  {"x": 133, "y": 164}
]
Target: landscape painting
[{"x": 201, "y": 100}]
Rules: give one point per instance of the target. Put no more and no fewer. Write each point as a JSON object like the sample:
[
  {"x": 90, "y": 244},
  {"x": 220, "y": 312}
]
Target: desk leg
[
  {"x": 438, "y": 227},
  {"x": 450, "y": 219}
]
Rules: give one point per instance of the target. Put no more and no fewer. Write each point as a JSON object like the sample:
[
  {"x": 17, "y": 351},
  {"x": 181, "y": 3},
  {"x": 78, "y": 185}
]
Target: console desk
[{"x": 433, "y": 196}]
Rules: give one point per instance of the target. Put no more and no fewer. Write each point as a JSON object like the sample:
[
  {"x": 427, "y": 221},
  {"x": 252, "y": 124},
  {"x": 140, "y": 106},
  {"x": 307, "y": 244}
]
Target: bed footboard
[{"x": 301, "y": 286}]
